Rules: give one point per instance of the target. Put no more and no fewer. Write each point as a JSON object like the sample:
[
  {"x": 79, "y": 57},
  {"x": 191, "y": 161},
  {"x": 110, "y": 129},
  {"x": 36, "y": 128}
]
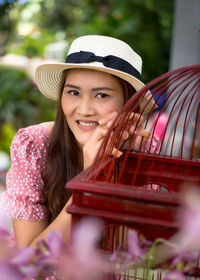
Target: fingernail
[
  {"x": 126, "y": 134},
  {"x": 109, "y": 123},
  {"x": 119, "y": 153},
  {"x": 101, "y": 121}
]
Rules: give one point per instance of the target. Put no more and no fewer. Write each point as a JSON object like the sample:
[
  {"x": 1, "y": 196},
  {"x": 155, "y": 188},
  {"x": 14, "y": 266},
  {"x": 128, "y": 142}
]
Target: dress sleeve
[{"x": 24, "y": 195}]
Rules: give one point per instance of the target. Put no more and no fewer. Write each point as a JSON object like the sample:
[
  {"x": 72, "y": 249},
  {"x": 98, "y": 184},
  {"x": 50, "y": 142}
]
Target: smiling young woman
[{"x": 99, "y": 75}]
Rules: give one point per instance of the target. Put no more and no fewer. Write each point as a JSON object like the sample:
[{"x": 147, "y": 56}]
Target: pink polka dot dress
[{"x": 24, "y": 199}]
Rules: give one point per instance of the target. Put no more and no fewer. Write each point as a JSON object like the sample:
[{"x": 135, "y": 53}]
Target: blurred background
[{"x": 166, "y": 34}]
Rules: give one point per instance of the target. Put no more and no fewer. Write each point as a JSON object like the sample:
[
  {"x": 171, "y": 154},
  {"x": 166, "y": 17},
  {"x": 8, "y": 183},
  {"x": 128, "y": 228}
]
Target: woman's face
[{"x": 87, "y": 97}]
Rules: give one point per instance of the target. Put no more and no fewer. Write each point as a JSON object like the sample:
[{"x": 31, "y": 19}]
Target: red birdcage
[{"x": 142, "y": 189}]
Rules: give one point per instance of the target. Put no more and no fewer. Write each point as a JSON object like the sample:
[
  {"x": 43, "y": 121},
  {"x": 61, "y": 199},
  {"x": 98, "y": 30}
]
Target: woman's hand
[
  {"x": 91, "y": 148},
  {"x": 137, "y": 135}
]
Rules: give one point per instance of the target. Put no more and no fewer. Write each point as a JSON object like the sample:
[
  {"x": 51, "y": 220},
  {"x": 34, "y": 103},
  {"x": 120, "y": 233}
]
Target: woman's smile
[{"x": 87, "y": 125}]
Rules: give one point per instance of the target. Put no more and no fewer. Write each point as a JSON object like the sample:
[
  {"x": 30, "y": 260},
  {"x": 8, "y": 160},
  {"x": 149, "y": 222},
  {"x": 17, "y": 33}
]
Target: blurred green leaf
[{"x": 20, "y": 101}]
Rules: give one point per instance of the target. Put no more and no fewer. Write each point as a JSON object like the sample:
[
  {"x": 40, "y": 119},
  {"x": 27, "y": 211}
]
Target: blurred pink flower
[
  {"x": 185, "y": 258},
  {"x": 15, "y": 263},
  {"x": 175, "y": 275},
  {"x": 135, "y": 255},
  {"x": 84, "y": 261},
  {"x": 137, "y": 248},
  {"x": 9, "y": 271},
  {"x": 188, "y": 238}
]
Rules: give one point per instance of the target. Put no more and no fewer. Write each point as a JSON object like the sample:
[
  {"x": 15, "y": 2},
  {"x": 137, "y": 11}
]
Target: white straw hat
[{"x": 96, "y": 52}]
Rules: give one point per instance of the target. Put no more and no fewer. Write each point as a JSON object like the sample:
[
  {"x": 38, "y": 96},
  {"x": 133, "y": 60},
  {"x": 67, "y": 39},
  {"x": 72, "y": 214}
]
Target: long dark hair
[
  {"x": 64, "y": 161},
  {"x": 64, "y": 157}
]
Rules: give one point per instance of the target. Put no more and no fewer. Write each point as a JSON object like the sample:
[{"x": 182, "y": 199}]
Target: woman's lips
[{"x": 87, "y": 125}]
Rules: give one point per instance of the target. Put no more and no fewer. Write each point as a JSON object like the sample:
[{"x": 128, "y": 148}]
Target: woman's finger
[
  {"x": 125, "y": 135},
  {"x": 137, "y": 141},
  {"x": 116, "y": 153},
  {"x": 99, "y": 133},
  {"x": 143, "y": 132},
  {"x": 137, "y": 119},
  {"x": 141, "y": 137}
]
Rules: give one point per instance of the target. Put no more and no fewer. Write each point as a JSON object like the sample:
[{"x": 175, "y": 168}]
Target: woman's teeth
[{"x": 88, "y": 123}]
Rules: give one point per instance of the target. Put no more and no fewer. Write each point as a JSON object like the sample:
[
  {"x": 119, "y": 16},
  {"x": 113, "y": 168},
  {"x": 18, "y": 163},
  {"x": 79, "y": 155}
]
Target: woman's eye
[
  {"x": 73, "y": 92},
  {"x": 102, "y": 95}
]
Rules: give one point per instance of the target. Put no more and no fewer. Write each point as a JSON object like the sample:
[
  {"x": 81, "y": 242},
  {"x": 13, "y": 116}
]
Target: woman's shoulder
[
  {"x": 41, "y": 130},
  {"x": 37, "y": 133},
  {"x": 47, "y": 126},
  {"x": 44, "y": 128}
]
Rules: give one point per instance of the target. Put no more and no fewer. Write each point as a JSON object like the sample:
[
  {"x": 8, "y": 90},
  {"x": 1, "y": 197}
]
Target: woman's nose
[{"x": 86, "y": 107}]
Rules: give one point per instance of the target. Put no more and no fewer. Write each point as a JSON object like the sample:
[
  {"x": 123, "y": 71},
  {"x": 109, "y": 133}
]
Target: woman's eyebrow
[
  {"x": 71, "y": 86},
  {"x": 102, "y": 88}
]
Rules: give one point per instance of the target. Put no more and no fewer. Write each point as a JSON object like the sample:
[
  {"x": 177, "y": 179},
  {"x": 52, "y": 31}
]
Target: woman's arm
[{"x": 30, "y": 232}]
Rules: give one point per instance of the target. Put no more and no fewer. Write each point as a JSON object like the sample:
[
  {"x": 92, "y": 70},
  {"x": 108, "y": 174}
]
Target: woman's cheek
[{"x": 104, "y": 110}]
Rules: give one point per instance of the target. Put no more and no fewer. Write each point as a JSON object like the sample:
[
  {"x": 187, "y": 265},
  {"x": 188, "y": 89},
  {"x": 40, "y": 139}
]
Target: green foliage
[
  {"x": 7, "y": 133},
  {"x": 145, "y": 25},
  {"x": 21, "y": 104},
  {"x": 6, "y": 24},
  {"x": 32, "y": 45}
]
